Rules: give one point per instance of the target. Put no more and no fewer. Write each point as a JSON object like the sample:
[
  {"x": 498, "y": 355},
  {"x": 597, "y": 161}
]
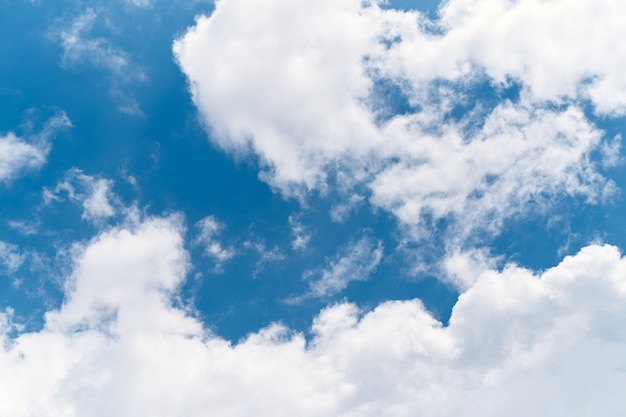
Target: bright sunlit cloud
[
  {"x": 331, "y": 208},
  {"x": 118, "y": 345}
]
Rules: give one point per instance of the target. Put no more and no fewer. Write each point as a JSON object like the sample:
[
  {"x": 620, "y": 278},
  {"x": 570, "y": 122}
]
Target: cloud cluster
[
  {"x": 347, "y": 94},
  {"x": 517, "y": 344},
  {"x": 558, "y": 50},
  {"x": 372, "y": 102}
]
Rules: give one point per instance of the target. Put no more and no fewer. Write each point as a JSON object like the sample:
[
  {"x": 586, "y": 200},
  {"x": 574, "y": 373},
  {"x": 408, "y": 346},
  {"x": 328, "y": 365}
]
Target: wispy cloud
[
  {"x": 209, "y": 229},
  {"x": 355, "y": 262},
  {"x": 300, "y": 234},
  {"x": 140, "y": 3},
  {"x": 26, "y": 228},
  {"x": 267, "y": 255},
  {"x": 10, "y": 257},
  {"x": 81, "y": 48},
  {"x": 93, "y": 194}
]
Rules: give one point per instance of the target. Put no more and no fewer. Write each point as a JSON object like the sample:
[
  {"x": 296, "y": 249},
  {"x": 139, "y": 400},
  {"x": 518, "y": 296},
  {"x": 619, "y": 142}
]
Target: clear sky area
[{"x": 293, "y": 208}]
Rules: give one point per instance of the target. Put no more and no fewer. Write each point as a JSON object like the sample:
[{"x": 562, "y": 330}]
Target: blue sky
[{"x": 210, "y": 197}]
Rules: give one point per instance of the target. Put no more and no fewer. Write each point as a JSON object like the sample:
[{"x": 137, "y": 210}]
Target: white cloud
[
  {"x": 266, "y": 255},
  {"x": 297, "y": 83},
  {"x": 8, "y": 323},
  {"x": 16, "y": 155},
  {"x": 30, "y": 152},
  {"x": 517, "y": 344},
  {"x": 94, "y": 194},
  {"x": 281, "y": 85},
  {"x": 25, "y": 228},
  {"x": 340, "y": 212},
  {"x": 10, "y": 257},
  {"x": 300, "y": 235},
  {"x": 81, "y": 48},
  {"x": 611, "y": 152},
  {"x": 557, "y": 49},
  {"x": 355, "y": 262},
  {"x": 463, "y": 267},
  {"x": 209, "y": 230},
  {"x": 140, "y": 3},
  {"x": 522, "y": 158}
]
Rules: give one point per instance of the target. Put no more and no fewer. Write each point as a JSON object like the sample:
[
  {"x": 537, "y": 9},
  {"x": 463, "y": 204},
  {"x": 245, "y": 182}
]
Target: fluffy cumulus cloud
[
  {"x": 350, "y": 98},
  {"x": 517, "y": 343},
  {"x": 299, "y": 107},
  {"x": 348, "y": 93},
  {"x": 557, "y": 49},
  {"x": 19, "y": 154}
]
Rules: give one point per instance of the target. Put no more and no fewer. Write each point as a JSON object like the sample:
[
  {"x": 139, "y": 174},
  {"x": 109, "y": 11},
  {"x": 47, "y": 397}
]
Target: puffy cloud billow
[
  {"x": 458, "y": 124},
  {"x": 487, "y": 113},
  {"x": 517, "y": 343},
  {"x": 349, "y": 93}
]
